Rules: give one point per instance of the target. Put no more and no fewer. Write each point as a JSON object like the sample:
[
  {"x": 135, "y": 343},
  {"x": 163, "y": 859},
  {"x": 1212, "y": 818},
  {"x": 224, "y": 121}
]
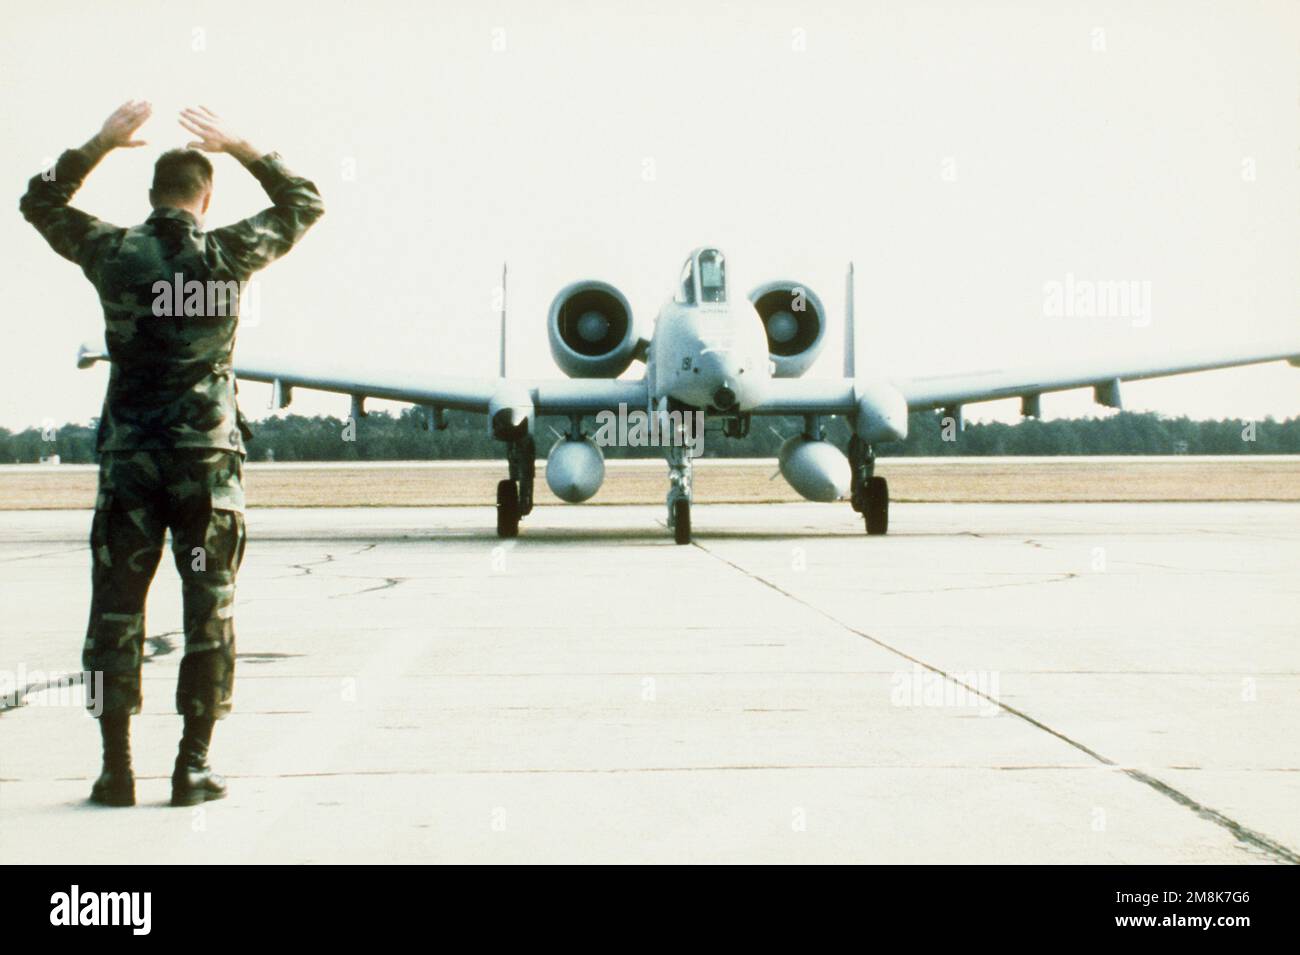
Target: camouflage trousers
[{"x": 198, "y": 495}]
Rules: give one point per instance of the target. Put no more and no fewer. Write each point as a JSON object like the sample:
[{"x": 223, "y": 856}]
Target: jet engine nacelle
[
  {"x": 591, "y": 330},
  {"x": 575, "y": 469},
  {"x": 795, "y": 322},
  {"x": 818, "y": 470}
]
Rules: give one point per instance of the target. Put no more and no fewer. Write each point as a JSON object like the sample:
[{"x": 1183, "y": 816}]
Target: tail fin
[
  {"x": 850, "y": 329},
  {"x": 503, "y": 319}
]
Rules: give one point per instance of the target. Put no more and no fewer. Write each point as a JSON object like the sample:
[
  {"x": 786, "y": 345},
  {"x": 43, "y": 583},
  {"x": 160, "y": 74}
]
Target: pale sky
[{"x": 961, "y": 154}]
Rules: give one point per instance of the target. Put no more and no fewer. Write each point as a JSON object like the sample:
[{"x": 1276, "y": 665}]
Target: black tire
[
  {"x": 877, "y": 509},
  {"x": 507, "y": 509},
  {"x": 682, "y": 520}
]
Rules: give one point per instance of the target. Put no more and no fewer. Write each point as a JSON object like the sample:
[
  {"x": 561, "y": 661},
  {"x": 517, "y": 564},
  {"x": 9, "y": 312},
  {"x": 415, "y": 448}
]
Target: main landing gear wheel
[
  {"x": 682, "y": 520},
  {"x": 507, "y": 508},
  {"x": 876, "y": 511}
]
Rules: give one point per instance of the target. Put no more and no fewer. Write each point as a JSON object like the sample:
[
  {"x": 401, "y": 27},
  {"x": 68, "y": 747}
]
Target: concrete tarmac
[{"x": 1070, "y": 683}]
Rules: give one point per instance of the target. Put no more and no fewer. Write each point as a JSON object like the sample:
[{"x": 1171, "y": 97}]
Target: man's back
[
  {"x": 170, "y": 382},
  {"x": 170, "y": 294}
]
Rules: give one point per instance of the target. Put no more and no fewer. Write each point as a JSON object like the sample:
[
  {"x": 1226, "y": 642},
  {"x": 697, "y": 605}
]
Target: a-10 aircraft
[{"x": 728, "y": 358}]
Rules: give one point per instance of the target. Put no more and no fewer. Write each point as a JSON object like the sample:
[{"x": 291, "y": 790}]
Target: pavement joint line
[
  {"x": 1242, "y": 833},
  {"x": 621, "y": 771}
]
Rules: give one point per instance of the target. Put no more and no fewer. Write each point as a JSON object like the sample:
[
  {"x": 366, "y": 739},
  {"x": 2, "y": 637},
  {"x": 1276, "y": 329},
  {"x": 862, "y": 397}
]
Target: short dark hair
[{"x": 180, "y": 175}]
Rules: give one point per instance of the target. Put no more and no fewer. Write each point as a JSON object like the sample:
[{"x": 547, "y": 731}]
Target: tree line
[{"x": 381, "y": 436}]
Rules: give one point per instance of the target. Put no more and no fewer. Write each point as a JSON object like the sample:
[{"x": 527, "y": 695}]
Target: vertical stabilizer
[
  {"x": 503, "y": 319},
  {"x": 850, "y": 328}
]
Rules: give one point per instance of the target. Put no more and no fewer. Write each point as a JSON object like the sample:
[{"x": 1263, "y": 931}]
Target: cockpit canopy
[{"x": 704, "y": 278}]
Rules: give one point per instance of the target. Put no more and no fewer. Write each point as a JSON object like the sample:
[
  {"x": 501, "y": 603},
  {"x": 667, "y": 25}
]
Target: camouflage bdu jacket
[{"x": 171, "y": 384}]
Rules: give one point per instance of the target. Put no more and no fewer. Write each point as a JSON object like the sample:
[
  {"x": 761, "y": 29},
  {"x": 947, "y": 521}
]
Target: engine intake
[
  {"x": 591, "y": 330},
  {"x": 795, "y": 322}
]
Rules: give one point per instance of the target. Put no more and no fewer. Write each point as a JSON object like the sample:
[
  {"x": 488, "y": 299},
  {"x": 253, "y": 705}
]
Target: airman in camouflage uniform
[{"x": 171, "y": 436}]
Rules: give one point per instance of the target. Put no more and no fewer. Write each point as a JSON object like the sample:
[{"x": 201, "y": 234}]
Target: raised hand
[
  {"x": 214, "y": 135},
  {"x": 119, "y": 129}
]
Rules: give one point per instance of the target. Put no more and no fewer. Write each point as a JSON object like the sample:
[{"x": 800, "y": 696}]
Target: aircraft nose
[{"x": 723, "y": 386}]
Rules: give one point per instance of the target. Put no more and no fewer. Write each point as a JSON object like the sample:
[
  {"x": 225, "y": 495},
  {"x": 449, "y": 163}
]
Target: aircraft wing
[
  {"x": 942, "y": 391},
  {"x": 459, "y": 394},
  {"x": 558, "y": 397},
  {"x": 797, "y": 396}
]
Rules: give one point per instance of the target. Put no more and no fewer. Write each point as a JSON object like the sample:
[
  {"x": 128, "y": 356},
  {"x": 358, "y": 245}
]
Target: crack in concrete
[
  {"x": 161, "y": 644},
  {"x": 267, "y": 657},
  {"x": 1144, "y": 563},
  {"x": 1054, "y": 579},
  {"x": 306, "y": 566},
  {"x": 388, "y": 584},
  {"x": 1248, "y": 837},
  {"x": 48, "y": 553}
]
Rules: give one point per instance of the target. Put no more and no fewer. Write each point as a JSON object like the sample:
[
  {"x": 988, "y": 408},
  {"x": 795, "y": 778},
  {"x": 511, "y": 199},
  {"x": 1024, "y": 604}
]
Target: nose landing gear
[
  {"x": 681, "y": 520},
  {"x": 679, "y": 488}
]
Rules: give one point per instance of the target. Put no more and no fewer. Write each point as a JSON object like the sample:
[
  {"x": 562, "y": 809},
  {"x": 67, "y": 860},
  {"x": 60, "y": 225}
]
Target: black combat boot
[
  {"x": 194, "y": 782},
  {"x": 116, "y": 784}
]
